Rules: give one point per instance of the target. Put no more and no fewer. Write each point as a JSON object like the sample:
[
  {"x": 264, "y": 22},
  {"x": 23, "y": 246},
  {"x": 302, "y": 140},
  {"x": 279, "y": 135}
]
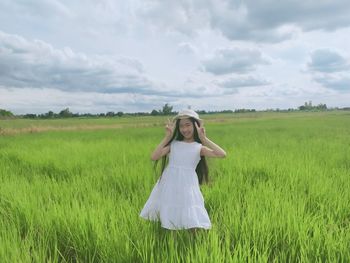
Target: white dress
[{"x": 176, "y": 199}]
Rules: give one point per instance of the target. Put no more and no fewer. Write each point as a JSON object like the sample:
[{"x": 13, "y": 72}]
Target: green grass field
[{"x": 72, "y": 190}]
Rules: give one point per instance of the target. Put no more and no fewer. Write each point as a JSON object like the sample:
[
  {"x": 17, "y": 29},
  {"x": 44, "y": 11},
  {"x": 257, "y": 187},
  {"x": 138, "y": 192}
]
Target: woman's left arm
[{"x": 209, "y": 148}]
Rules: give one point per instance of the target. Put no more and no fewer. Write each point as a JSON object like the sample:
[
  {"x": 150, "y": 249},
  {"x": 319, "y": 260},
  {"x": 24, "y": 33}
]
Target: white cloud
[
  {"x": 330, "y": 69},
  {"x": 212, "y": 54},
  {"x": 186, "y": 48},
  {"x": 30, "y": 100},
  {"x": 234, "y": 60},
  {"x": 36, "y": 64},
  {"x": 242, "y": 81},
  {"x": 185, "y": 17},
  {"x": 262, "y": 21},
  {"x": 336, "y": 82},
  {"x": 326, "y": 60},
  {"x": 43, "y": 8}
]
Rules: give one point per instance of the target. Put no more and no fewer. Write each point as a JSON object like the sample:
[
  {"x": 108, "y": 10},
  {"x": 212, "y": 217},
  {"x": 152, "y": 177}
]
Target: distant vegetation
[
  {"x": 5, "y": 113},
  {"x": 165, "y": 110},
  {"x": 308, "y": 106}
]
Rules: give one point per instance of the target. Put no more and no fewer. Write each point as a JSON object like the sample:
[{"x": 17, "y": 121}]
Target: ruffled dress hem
[{"x": 194, "y": 216}]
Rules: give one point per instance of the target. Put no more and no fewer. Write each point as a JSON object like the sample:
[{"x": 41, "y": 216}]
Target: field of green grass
[{"x": 72, "y": 190}]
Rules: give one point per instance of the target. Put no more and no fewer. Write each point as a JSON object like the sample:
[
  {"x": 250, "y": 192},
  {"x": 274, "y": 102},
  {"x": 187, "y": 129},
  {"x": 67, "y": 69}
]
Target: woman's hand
[
  {"x": 209, "y": 148},
  {"x": 201, "y": 131},
  {"x": 169, "y": 129}
]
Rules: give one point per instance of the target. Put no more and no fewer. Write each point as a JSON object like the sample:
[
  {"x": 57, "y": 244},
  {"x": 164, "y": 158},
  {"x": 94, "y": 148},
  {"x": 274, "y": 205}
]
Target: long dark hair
[{"x": 202, "y": 167}]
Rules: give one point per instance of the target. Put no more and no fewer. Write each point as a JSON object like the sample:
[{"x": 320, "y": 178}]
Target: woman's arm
[
  {"x": 209, "y": 148},
  {"x": 161, "y": 149}
]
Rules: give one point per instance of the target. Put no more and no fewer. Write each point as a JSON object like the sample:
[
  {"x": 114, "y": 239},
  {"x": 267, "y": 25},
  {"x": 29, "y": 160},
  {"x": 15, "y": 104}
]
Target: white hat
[{"x": 185, "y": 114}]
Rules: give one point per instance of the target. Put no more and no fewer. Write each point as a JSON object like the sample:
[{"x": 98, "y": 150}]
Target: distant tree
[
  {"x": 29, "y": 116},
  {"x": 155, "y": 113},
  {"x": 65, "y": 113},
  {"x": 321, "y": 106},
  {"x": 49, "y": 114},
  {"x": 5, "y": 113},
  {"x": 167, "y": 109},
  {"x": 120, "y": 113},
  {"x": 245, "y": 110},
  {"x": 308, "y": 106},
  {"x": 110, "y": 114}
]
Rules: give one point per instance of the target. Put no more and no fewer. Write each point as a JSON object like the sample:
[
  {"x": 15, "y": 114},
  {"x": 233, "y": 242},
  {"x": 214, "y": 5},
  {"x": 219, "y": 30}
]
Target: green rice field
[{"x": 71, "y": 190}]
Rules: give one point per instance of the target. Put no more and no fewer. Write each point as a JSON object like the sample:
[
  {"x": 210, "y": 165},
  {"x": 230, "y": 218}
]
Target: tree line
[{"x": 165, "y": 110}]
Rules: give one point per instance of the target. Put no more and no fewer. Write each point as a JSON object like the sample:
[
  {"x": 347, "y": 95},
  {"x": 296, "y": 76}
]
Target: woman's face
[{"x": 186, "y": 128}]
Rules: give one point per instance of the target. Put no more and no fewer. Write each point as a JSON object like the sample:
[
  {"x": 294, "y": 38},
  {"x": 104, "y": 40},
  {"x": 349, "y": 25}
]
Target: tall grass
[{"x": 280, "y": 195}]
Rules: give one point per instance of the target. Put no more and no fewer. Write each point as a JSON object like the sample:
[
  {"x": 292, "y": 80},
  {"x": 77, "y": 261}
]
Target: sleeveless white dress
[{"x": 176, "y": 199}]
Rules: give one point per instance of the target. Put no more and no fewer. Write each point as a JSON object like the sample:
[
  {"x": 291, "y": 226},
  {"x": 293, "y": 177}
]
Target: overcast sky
[{"x": 137, "y": 55}]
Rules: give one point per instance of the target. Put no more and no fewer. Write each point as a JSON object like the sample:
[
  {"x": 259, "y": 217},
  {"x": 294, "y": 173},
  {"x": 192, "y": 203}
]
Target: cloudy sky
[{"x": 137, "y": 55}]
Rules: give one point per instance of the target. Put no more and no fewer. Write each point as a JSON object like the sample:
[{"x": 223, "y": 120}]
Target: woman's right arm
[{"x": 161, "y": 149}]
